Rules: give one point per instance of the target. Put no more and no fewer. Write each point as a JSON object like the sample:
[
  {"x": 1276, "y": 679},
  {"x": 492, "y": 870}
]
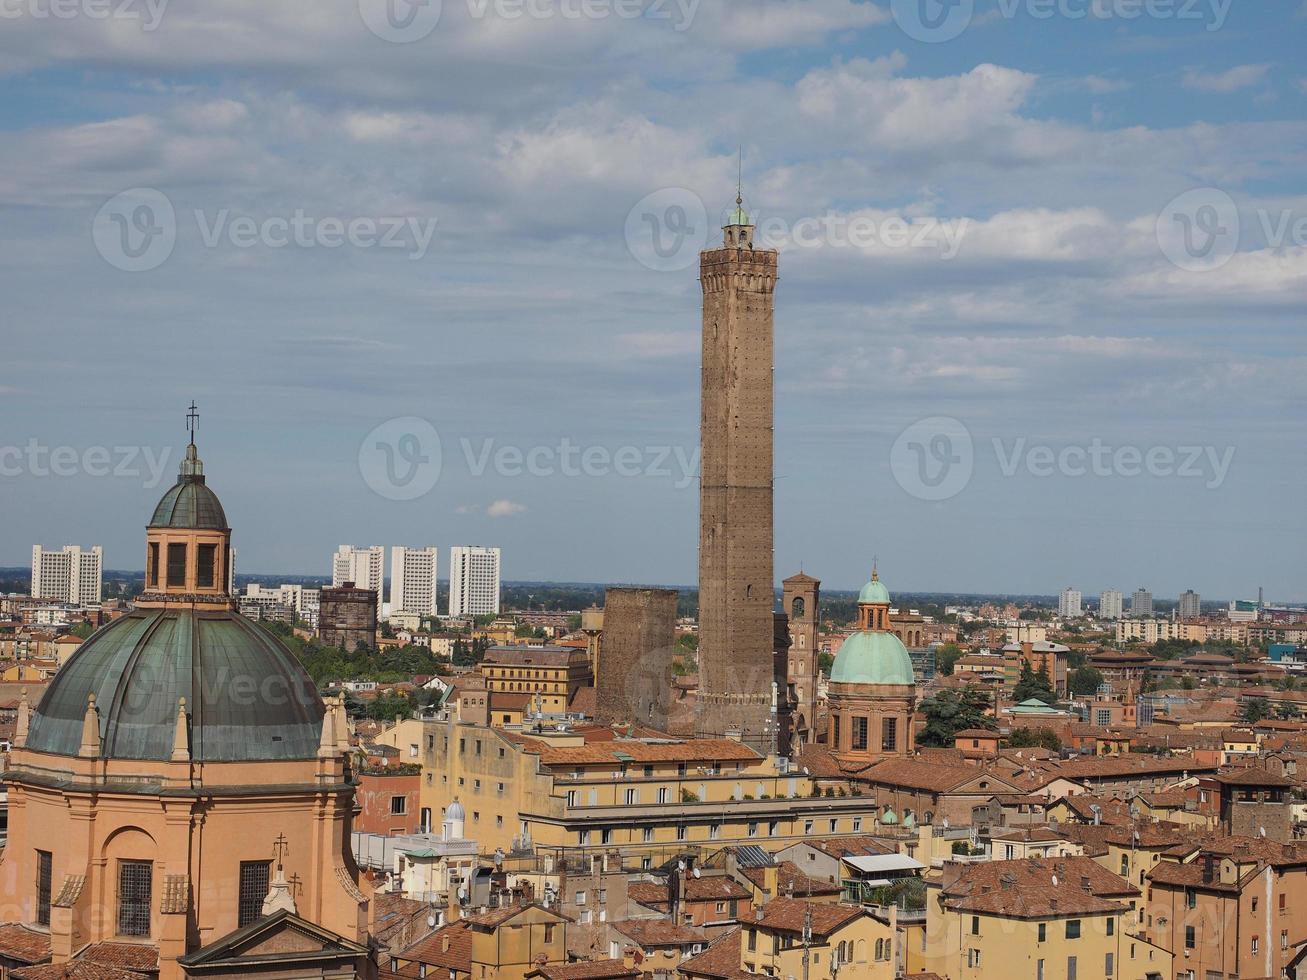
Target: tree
[
  {"x": 1287, "y": 711},
  {"x": 1085, "y": 680},
  {"x": 950, "y": 712},
  {"x": 946, "y": 657},
  {"x": 1034, "y": 738},
  {"x": 82, "y": 630},
  {"x": 1033, "y": 684},
  {"x": 1188, "y": 683},
  {"x": 825, "y": 661},
  {"x": 1255, "y": 710}
]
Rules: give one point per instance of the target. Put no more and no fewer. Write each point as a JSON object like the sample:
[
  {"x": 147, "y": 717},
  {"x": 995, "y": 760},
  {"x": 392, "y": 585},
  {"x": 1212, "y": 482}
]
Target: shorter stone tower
[{"x": 634, "y": 680}]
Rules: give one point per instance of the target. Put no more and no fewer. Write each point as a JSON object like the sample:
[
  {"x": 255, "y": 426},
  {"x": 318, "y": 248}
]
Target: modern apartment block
[
  {"x": 473, "y": 581},
  {"x": 1110, "y": 604},
  {"x": 1141, "y": 603},
  {"x": 413, "y": 580},
  {"x": 72, "y": 575},
  {"x": 1191, "y": 605},
  {"x": 1069, "y": 603},
  {"x": 364, "y": 567}
]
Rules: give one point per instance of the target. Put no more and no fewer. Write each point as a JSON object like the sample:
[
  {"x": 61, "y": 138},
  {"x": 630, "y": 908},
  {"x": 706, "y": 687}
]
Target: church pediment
[{"x": 280, "y": 937}]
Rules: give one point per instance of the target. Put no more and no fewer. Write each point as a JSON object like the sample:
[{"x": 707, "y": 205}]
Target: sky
[{"x": 429, "y": 272}]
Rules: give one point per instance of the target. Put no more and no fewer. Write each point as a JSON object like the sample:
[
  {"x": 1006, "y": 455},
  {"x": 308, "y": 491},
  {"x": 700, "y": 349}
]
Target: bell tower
[{"x": 736, "y": 599}]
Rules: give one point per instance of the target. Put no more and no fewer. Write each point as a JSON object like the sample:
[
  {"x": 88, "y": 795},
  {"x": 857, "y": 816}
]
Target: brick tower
[
  {"x": 736, "y": 630},
  {"x": 801, "y": 600}
]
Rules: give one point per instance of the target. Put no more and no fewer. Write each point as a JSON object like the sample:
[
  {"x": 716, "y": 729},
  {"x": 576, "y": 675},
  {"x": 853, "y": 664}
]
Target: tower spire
[
  {"x": 739, "y": 179},
  {"x": 192, "y": 419}
]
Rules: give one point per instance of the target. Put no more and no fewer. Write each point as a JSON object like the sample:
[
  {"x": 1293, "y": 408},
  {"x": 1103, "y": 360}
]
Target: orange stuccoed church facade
[{"x": 181, "y": 796}]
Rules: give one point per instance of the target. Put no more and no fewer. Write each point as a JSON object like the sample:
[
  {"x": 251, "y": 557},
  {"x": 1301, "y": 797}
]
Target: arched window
[{"x": 797, "y": 608}]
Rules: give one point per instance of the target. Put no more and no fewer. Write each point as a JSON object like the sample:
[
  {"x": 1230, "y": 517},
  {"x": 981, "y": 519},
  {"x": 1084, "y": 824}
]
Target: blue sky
[{"x": 1103, "y": 251}]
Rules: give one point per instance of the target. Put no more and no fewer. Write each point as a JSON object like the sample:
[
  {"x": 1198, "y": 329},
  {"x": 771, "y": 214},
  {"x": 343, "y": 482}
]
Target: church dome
[
  {"x": 247, "y": 697},
  {"x": 872, "y": 658},
  {"x": 189, "y": 503},
  {"x": 874, "y": 592}
]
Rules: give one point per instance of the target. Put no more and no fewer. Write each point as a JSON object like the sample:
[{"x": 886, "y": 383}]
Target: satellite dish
[
  {"x": 695, "y": 872},
  {"x": 431, "y": 921},
  {"x": 462, "y": 893},
  {"x": 1261, "y": 831},
  {"x": 680, "y": 865},
  {"x": 946, "y": 824},
  {"x": 1054, "y": 881}
]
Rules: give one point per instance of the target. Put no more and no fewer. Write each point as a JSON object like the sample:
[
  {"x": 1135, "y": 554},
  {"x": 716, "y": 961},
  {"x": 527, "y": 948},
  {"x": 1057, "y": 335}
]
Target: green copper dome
[
  {"x": 189, "y": 503},
  {"x": 247, "y": 697},
  {"x": 872, "y": 658},
  {"x": 874, "y": 592}
]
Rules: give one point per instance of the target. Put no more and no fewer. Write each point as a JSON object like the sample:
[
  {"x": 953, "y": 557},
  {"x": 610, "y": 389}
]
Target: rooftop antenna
[{"x": 739, "y": 179}]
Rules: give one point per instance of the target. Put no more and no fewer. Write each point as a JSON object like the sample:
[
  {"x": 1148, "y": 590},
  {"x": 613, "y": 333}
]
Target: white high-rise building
[
  {"x": 1191, "y": 605},
  {"x": 1110, "y": 604},
  {"x": 1068, "y": 604},
  {"x": 71, "y": 575},
  {"x": 473, "y": 581},
  {"x": 413, "y": 574},
  {"x": 365, "y": 567},
  {"x": 1141, "y": 603}
]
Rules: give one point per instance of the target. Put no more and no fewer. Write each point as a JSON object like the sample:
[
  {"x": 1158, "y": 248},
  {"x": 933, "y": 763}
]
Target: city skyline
[{"x": 1060, "y": 323}]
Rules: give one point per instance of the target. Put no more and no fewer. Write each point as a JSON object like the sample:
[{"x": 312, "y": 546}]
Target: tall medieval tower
[{"x": 736, "y": 629}]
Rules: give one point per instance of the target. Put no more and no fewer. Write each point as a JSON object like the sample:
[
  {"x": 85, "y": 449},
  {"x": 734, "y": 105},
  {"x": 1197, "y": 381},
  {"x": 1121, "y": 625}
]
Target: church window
[
  {"x": 176, "y": 565},
  {"x": 797, "y": 608},
  {"x": 253, "y": 890},
  {"x": 154, "y": 563},
  {"x": 205, "y": 562},
  {"x": 889, "y": 734},
  {"x": 44, "y": 861},
  {"x": 859, "y": 733},
  {"x": 135, "y": 884}
]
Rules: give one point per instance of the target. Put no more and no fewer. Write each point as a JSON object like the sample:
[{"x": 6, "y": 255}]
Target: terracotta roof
[
  {"x": 1188, "y": 875},
  {"x": 926, "y": 776},
  {"x": 842, "y": 847},
  {"x": 74, "y": 970},
  {"x": 792, "y": 882},
  {"x": 719, "y": 960},
  {"x": 1037, "y": 888},
  {"x": 710, "y": 888},
  {"x": 977, "y": 733},
  {"x": 431, "y": 949},
  {"x": 128, "y": 956},
  {"x": 1251, "y": 776},
  {"x": 647, "y": 933},
  {"x": 788, "y": 915},
  {"x": 25, "y": 945},
  {"x": 587, "y": 970}
]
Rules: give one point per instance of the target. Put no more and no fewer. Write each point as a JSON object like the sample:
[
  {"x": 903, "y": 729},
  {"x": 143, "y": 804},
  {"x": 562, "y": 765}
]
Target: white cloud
[
  {"x": 505, "y": 508},
  {"x": 1240, "y": 77}
]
